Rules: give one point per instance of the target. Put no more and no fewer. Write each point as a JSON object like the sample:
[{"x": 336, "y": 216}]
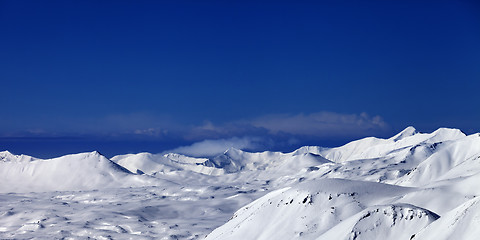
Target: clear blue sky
[{"x": 155, "y": 75}]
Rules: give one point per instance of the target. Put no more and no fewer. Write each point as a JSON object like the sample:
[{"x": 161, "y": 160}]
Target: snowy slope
[
  {"x": 157, "y": 163},
  {"x": 235, "y": 160},
  {"x": 383, "y": 222},
  {"x": 6, "y": 156},
  {"x": 460, "y": 223},
  {"x": 456, "y": 159},
  {"x": 442, "y": 167},
  {"x": 371, "y": 147},
  {"x": 231, "y": 161},
  {"x": 71, "y": 172},
  {"x": 316, "y": 206}
]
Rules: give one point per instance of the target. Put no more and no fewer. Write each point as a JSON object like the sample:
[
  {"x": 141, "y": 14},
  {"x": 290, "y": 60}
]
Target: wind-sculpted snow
[{"x": 410, "y": 186}]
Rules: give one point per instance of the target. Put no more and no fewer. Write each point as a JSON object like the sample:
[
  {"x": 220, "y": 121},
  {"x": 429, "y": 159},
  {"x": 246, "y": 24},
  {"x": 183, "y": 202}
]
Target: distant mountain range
[{"x": 410, "y": 186}]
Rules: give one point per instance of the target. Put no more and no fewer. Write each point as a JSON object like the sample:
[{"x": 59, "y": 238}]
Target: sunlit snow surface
[
  {"x": 137, "y": 213},
  {"x": 410, "y": 186}
]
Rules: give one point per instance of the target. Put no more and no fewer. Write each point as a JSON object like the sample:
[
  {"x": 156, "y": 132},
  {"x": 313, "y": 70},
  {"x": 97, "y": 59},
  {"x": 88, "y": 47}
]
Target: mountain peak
[
  {"x": 232, "y": 150},
  {"x": 5, "y": 153},
  {"x": 6, "y": 156},
  {"x": 450, "y": 131},
  {"x": 407, "y": 132}
]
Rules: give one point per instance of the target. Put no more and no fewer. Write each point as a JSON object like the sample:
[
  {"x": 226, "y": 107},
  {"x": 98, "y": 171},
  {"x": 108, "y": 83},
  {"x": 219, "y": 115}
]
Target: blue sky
[{"x": 130, "y": 76}]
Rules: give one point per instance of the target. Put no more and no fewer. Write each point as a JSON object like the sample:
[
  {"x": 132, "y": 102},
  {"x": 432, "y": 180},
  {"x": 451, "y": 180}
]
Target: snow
[
  {"x": 156, "y": 163},
  {"x": 317, "y": 206},
  {"x": 410, "y": 186},
  {"x": 460, "y": 223},
  {"x": 383, "y": 222},
  {"x": 84, "y": 171}
]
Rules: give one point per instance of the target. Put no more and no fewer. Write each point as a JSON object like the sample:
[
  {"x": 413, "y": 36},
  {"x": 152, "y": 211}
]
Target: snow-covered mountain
[
  {"x": 164, "y": 163},
  {"x": 231, "y": 161},
  {"x": 84, "y": 171},
  {"x": 410, "y": 186},
  {"x": 396, "y": 188}
]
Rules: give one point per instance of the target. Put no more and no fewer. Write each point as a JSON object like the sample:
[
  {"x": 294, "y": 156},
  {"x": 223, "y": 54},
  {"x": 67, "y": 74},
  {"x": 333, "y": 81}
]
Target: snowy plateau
[{"x": 410, "y": 186}]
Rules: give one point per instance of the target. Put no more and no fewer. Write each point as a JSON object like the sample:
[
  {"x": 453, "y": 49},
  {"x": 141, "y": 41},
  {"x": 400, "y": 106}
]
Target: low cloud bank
[
  {"x": 218, "y": 146},
  {"x": 321, "y": 124},
  {"x": 314, "y": 125},
  {"x": 278, "y": 131},
  {"x": 267, "y": 132}
]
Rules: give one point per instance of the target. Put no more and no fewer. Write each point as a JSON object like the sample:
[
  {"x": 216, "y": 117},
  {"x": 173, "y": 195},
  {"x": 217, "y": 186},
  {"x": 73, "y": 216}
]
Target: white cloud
[
  {"x": 282, "y": 127},
  {"x": 218, "y": 146},
  {"x": 322, "y": 124},
  {"x": 278, "y": 130}
]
